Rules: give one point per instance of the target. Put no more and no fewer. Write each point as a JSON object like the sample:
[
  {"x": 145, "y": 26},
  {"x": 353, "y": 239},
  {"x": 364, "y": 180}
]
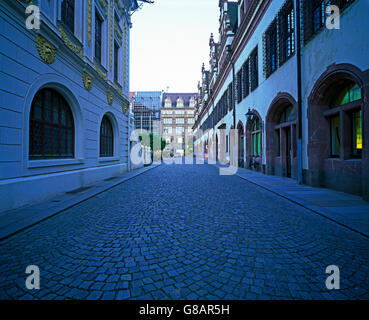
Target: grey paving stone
[{"x": 211, "y": 237}]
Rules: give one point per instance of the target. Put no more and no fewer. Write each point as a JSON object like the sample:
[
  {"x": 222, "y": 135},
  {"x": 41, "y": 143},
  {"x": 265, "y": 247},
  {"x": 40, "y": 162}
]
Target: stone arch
[
  {"x": 324, "y": 169},
  {"x": 115, "y": 125},
  {"x": 254, "y": 161},
  {"x": 281, "y": 137},
  {"x": 62, "y": 85}
]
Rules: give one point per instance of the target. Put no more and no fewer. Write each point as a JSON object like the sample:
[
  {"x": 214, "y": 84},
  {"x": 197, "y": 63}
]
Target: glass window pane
[
  {"x": 357, "y": 133},
  {"x": 335, "y": 136}
]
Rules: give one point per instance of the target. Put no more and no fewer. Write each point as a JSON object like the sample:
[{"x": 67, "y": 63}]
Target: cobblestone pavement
[{"x": 184, "y": 232}]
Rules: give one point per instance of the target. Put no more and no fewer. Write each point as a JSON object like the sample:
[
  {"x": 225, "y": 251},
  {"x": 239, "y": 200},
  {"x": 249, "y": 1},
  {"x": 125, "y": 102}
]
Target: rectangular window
[
  {"x": 239, "y": 86},
  {"x": 230, "y": 97},
  {"x": 335, "y": 136},
  {"x": 256, "y": 144},
  {"x": 180, "y": 121},
  {"x": 357, "y": 134},
  {"x": 98, "y": 36},
  {"x": 167, "y": 130},
  {"x": 190, "y": 121},
  {"x": 315, "y": 16},
  {"x": 271, "y": 42},
  {"x": 116, "y": 62},
  {"x": 254, "y": 69},
  {"x": 67, "y": 14},
  {"x": 246, "y": 79},
  {"x": 287, "y": 32},
  {"x": 180, "y": 130},
  {"x": 168, "y": 121}
]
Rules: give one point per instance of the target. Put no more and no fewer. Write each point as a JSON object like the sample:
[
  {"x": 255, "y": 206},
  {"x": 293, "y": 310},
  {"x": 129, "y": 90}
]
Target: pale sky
[{"x": 169, "y": 43}]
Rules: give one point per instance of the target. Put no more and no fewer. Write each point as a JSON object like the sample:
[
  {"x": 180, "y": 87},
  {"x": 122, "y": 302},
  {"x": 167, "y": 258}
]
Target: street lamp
[{"x": 249, "y": 115}]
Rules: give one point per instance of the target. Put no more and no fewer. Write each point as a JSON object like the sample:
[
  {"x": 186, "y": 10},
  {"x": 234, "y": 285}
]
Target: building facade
[
  {"x": 300, "y": 107},
  {"x": 146, "y": 107},
  {"x": 177, "y": 120},
  {"x": 64, "y": 96}
]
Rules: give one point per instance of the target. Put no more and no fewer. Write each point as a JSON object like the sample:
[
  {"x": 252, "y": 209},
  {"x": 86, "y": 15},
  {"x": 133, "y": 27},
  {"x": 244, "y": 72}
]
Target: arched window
[
  {"x": 168, "y": 103},
  {"x": 180, "y": 103},
  {"x": 288, "y": 115},
  {"x": 348, "y": 101},
  {"x": 106, "y": 138},
  {"x": 51, "y": 127},
  {"x": 256, "y": 138}
]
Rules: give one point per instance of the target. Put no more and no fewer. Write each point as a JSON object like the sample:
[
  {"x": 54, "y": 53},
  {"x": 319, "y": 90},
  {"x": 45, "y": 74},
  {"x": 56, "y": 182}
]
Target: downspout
[{"x": 299, "y": 94}]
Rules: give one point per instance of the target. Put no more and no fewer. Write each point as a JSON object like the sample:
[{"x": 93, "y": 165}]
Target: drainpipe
[
  {"x": 233, "y": 99},
  {"x": 299, "y": 93}
]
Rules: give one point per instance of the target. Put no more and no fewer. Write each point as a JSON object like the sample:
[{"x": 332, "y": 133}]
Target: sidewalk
[
  {"x": 14, "y": 221},
  {"x": 348, "y": 210}
]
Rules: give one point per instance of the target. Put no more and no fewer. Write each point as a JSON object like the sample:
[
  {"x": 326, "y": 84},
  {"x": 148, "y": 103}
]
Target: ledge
[
  {"x": 108, "y": 159},
  {"x": 53, "y": 163}
]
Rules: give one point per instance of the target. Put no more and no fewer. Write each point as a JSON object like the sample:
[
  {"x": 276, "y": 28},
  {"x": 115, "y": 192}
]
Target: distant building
[
  {"x": 146, "y": 107},
  {"x": 64, "y": 119},
  {"x": 177, "y": 119}
]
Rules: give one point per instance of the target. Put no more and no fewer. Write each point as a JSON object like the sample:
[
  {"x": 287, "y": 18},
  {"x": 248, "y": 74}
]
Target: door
[{"x": 288, "y": 151}]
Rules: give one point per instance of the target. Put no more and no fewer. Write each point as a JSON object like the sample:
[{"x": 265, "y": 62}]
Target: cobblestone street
[{"x": 185, "y": 232}]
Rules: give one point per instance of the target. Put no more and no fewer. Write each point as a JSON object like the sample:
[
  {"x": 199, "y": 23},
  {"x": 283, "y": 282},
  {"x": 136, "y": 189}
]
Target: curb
[
  {"x": 13, "y": 231},
  {"x": 313, "y": 208},
  {"x": 305, "y": 205}
]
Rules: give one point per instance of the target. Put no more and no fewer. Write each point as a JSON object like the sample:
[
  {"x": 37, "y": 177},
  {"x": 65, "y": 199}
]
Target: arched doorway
[
  {"x": 281, "y": 131},
  {"x": 241, "y": 144},
  {"x": 337, "y": 131},
  {"x": 254, "y": 133}
]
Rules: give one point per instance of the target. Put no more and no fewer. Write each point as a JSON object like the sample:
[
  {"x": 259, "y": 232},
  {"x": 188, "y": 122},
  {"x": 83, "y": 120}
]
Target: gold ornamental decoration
[
  {"x": 45, "y": 49},
  {"x": 101, "y": 74},
  {"x": 125, "y": 55},
  {"x": 118, "y": 88},
  {"x": 75, "y": 48},
  {"x": 104, "y": 6},
  {"x": 111, "y": 34},
  {"x": 87, "y": 81},
  {"x": 124, "y": 108},
  {"x": 89, "y": 10},
  {"x": 110, "y": 97}
]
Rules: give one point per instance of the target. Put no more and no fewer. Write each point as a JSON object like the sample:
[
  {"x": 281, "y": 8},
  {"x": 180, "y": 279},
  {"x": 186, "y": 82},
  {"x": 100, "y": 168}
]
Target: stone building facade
[
  {"x": 64, "y": 96},
  {"x": 316, "y": 132},
  {"x": 177, "y": 119}
]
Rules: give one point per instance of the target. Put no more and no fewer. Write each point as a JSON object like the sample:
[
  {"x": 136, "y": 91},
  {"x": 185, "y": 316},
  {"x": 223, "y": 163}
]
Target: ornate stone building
[
  {"x": 64, "y": 96},
  {"x": 300, "y": 107}
]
